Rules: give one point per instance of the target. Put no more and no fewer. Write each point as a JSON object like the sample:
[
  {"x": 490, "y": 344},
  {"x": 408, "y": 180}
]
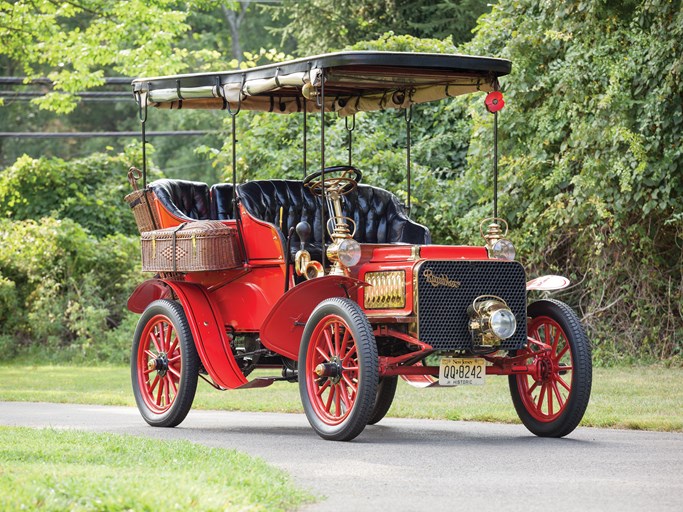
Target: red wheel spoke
[
  {"x": 350, "y": 368},
  {"x": 330, "y": 397},
  {"x": 563, "y": 383},
  {"x": 321, "y": 352},
  {"x": 541, "y": 396},
  {"x": 175, "y": 386},
  {"x": 531, "y": 389},
  {"x": 322, "y": 388},
  {"x": 173, "y": 371},
  {"x": 560, "y": 401},
  {"x": 153, "y": 336},
  {"x": 169, "y": 336},
  {"x": 345, "y": 396},
  {"x": 345, "y": 342},
  {"x": 154, "y": 383},
  {"x": 174, "y": 347},
  {"x": 174, "y": 359},
  {"x": 337, "y": 344},
  {"x": 348, "y": 356},
  {"x": 167, "y": 389},
  {"x": 562, "y": 352},
  {"x": 337, "y": 400},
  {"x": 328, "y": 340},
  {"x": 556, "y": 340},
  {"x": 160, "y": 392},
  {"x": 151, "y": 354},
  {"x": 550, "y": 401},
  {"x": 148, "y": 371},
  {"x": 350, "y": 384}
]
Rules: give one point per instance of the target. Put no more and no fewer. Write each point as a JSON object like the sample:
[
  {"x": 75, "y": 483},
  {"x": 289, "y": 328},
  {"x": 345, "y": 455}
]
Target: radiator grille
[{"x": 442, "y": 303}]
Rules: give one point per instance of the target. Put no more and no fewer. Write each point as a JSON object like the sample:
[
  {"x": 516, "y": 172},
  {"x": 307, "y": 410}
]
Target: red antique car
[{"x": 326, "y": 281}]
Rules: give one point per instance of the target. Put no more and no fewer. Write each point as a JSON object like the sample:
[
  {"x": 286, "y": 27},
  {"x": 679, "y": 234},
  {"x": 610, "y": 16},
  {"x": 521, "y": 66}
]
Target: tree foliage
[
  {"x": 592, "y": 160},
  {"x": 320, "y": 26},
  {"x": 88, "y": 191},
  {"x": 79, "y": 41}
]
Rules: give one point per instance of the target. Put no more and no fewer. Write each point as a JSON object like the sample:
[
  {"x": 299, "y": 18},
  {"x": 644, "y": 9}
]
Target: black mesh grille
[{"x": 442, "y": 310}]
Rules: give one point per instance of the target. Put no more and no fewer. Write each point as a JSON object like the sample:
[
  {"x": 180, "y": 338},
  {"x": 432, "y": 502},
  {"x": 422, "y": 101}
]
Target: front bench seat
[
  {"x": 379, "y": 216},
  {"x": 186, "y": 200},
  {"x": 221, "y": 201}
]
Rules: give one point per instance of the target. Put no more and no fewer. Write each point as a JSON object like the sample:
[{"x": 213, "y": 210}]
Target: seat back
[
  {"x": 380, "y": 218},
  {"x": 283, "y": 203},
  {"x": 187, "y": 200},
  {"x": 378, "y": 214},
  {"x": 221, "y": 202}
]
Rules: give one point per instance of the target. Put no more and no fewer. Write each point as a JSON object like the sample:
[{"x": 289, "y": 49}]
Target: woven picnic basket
[
  {"x": 191, "y": 247},
  {"x": 140, "y": 202}
]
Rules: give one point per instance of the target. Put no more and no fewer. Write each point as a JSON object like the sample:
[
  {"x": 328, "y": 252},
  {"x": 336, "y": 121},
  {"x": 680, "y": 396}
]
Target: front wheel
[
  {"x": 386, "y": 390},
  {"x": 552, "y": 400},
  {"x": 164, "y": 364},
  {"x": 338, "y": 369}
]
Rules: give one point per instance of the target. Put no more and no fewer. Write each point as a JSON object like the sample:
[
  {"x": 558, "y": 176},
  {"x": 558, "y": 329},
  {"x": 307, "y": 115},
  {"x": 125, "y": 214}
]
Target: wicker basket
[
  {"x": 191, "y": 247},
  {"x": 144, "y": 211},
  {"x": 140, "y": 201}
]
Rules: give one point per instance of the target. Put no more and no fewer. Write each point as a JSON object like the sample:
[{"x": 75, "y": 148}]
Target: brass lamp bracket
[{"x": 494, "y": 232}]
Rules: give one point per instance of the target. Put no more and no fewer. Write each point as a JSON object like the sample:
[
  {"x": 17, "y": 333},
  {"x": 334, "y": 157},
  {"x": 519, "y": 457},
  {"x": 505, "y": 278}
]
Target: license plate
[{"x": 456, "y": 371}]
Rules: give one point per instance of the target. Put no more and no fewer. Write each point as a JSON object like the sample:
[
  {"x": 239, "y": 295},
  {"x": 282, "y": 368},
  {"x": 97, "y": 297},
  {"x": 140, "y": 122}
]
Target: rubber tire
[
  {"x": 386, "y": 390},
  {"x": 368, "y": 372},
  {"x": 190, "y": 364},
  {"x": 582, "y": 373}
]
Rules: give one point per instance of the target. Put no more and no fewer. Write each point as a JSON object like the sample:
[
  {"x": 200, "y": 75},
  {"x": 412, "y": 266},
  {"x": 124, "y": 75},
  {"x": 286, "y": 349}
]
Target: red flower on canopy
[{"x": 494, "y": 101}]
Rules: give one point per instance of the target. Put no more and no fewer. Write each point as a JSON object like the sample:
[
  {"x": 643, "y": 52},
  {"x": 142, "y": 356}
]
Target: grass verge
[
  {"x": 55, "y": 470},
  {"x": 638, "y": 397}
]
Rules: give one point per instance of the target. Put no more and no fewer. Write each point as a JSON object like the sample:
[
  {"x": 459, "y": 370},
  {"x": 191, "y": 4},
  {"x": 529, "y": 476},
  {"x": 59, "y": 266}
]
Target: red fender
[
  {"x": 206, "y": 324},
  {"x": 282, "y": 329}
]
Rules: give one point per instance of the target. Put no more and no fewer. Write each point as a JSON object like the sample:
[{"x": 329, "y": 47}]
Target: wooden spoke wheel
[
  {"x": 338, "y": 369},
  {"x": 552, "y": 400},
  {"x": 164, "y": 364}
]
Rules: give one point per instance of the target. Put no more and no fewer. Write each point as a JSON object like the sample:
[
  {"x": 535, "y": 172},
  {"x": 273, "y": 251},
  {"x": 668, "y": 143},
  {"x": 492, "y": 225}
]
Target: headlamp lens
[
  {"x": 349, "y": 252},
  {"x": 502, "y": 249},
  {"x": 503, "y": 323}
]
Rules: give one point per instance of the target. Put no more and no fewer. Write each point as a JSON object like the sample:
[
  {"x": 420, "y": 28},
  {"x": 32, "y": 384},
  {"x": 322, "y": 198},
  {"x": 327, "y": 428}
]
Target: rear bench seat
[{"x": 186, "y": 200}]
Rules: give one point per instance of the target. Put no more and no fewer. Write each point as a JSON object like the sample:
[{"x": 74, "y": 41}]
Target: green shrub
[
  {"x": 67, "y": 289},
  {"x": 87, "y": 190}
]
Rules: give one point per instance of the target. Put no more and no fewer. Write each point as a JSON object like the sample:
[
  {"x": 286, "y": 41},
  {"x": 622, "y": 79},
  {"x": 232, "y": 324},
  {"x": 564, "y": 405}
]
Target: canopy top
[{"x": 354, "y": 81}]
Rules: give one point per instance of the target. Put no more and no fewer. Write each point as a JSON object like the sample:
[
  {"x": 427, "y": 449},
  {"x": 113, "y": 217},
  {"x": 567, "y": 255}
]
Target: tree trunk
[{"x": 234, "y": 20}]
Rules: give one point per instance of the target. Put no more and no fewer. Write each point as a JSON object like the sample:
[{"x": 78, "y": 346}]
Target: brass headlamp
[{"x": 491, "y": 321}]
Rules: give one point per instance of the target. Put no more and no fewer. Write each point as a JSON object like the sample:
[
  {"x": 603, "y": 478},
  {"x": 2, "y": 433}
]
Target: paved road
[{"x": 411, "y": 465}]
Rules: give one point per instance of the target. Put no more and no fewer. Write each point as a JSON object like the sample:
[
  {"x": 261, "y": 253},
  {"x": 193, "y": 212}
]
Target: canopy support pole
[
  {"x": 350, "y": 132},
  {"x": 233, "y": 134},
  {"x": 408, "y": 114},
  {"x": 305, "y": 137},
  {"x": 495, "y": 165},
  {"x": 142, "y": 114},
  {"x": 323, "y": 224}
]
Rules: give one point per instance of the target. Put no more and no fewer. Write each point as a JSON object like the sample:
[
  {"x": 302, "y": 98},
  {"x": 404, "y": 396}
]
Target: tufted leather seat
[
  {"x": 380, "y": 218},
  {"x": 378, "y": 214},
  {"x": 187, "y": 200},
  {"x": 221, "y": 201}
]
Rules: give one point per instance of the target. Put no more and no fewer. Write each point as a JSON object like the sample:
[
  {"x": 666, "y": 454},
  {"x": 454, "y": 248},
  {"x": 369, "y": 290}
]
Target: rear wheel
[
  {"x": 164, "y": 364},
  {"x": 553, "y": 399},
  {"x": 338, "y": 369},
  {"x": 386, "y": 389}
]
